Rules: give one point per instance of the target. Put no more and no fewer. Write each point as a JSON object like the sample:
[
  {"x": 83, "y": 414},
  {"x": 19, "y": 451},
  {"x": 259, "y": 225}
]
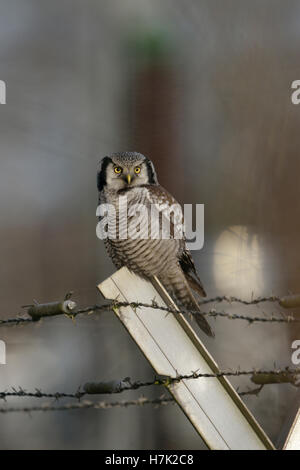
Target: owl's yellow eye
[
  {"x": 137, "y": 170},
  {"x": 118, "y": 170}
]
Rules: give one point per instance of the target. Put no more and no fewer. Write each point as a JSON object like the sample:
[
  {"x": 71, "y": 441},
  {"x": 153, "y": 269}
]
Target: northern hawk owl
[{"x": 130, "y": 177}]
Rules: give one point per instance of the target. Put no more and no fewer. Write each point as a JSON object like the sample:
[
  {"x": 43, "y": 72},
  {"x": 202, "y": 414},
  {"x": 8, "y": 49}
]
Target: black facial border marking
[
  {"x": 101, "y": 176},
  {"x": 152, "y": 178}
]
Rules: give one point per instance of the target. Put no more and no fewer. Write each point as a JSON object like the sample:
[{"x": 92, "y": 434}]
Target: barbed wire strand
[
  {"x": 288, "y": 375},
  {"x": 142, "y": 401},
  {"x": 102, "y": 405},
  {"x": 44, "y": 311},
  {"x": 231, "y": 299}
]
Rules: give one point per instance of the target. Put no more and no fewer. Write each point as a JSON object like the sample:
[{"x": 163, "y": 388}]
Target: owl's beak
[{"x": 128, "y": 177}]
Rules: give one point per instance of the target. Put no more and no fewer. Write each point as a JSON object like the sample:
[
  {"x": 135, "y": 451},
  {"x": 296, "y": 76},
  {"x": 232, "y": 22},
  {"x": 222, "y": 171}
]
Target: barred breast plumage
[{"x": 145, "y": 256}]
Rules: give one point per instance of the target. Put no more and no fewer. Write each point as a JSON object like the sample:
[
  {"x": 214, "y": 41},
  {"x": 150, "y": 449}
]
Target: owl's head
[{"x": 124, "y": 170}]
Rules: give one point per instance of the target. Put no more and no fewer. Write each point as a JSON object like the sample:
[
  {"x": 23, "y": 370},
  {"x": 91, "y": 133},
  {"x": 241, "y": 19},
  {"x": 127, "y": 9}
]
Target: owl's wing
[
  {"x": 161, "y": 198},
  {"x": 188, "y": 267},
  {"x": 157, "y": 194}
]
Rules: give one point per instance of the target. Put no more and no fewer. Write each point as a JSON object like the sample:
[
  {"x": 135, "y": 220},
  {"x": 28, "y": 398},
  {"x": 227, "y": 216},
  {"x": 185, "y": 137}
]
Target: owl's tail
[{"x": 180, "y": 288}]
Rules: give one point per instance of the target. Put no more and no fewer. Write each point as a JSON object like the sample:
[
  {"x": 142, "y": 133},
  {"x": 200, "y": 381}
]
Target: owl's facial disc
[
  {"x": 123, "y": 176},
  {"x": 124, "y": 171}
]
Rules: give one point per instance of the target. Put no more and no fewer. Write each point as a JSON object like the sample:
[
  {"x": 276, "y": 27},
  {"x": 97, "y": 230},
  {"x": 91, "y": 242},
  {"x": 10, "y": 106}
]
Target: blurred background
[{"x": 204, "y": 89}]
